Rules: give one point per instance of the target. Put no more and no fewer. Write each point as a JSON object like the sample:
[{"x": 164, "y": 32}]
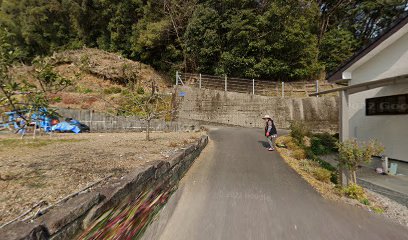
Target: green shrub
[
  {"x": 365, "y": 201},
  {"x": 325, "y": 165},
  {"x": 334, "y": 177},
  {"x": 323, "y": 143},
  {"x": 352, "y": 153},
  {"x": 140, "y": 90},
  {"x": 125, "y": 92},
  {"x": 317, "y": 148},
  {"x": 87, "y": 90},
  {"x": 81, "y": 89},
  {"x": 329, "y": 167},
  {"x": 322, "y": 174},
  {"x": 298, "y": 131},
  {"x": 310, "y": 154},
  {"x": 355, "y": 192}
]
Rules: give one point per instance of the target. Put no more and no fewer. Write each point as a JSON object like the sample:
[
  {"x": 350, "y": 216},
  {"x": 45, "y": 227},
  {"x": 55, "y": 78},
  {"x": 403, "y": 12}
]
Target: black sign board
[{"x": 389, "y": 105}]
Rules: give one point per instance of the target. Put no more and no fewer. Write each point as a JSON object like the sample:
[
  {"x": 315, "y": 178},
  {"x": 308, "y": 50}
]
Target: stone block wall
[{"x": 237, "y": 109}]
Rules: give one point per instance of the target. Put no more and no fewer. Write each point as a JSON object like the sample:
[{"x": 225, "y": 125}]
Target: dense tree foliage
[{"x": 272, "y": 39}]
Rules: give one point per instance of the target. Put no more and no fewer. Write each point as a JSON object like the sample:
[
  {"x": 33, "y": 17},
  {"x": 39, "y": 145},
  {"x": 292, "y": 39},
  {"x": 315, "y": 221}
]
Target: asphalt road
[{"x": 238, "y": 190}]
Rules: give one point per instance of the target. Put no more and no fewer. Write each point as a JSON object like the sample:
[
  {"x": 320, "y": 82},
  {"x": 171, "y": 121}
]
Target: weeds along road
[{"x": 238, "y": 190}]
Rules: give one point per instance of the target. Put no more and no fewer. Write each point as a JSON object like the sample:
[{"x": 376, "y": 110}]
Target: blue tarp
[
  {"x": 74, "y": 121},
  {"x": 66, "y": 127}
]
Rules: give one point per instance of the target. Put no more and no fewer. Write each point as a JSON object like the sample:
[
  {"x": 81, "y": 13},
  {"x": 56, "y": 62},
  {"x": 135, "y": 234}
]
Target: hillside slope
[
  {"x": 110, "y": 66},
  {"x": 99, "y": 78}
]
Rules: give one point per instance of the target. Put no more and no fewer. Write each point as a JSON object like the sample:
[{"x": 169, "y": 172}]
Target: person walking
[{"x": 270, "y": 131}]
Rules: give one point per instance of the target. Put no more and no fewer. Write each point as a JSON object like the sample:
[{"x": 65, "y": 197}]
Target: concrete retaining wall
[
  {"x": 247, "y": 110},
  {"x": 103, "y": 122},
  {"x": 72, "y": 217}
]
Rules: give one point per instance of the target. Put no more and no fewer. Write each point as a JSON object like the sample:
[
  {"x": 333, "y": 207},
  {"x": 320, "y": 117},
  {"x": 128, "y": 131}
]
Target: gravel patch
[{"x": 392, "y": 209}]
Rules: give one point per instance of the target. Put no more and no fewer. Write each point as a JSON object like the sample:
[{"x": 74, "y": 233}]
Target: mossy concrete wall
[{"x": 229, "y": 108}]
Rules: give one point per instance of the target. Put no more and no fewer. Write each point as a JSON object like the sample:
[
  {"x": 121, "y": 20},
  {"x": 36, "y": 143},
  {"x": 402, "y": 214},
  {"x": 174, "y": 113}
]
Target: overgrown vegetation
[
  {"x": 323, "y": 143},
  {"x": 29, "y": 98},
  {"x": 314, "y": 144},
  {"x": 355, "y": 192},
  {"x": 148, "y": 106},
  {"x": 303, "y": 148},
  {"x": 299, "y": 131},
  {"x": 352, "y": 154},
  {"x": 321, "y": 170},
  {"x": 276, "y": 39}
]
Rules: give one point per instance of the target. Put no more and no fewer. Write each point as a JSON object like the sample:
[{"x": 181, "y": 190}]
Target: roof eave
[{"x": 338, "y": 74}]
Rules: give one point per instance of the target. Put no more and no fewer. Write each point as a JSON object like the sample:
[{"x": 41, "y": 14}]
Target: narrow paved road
[{"x": 238, "y": 190}]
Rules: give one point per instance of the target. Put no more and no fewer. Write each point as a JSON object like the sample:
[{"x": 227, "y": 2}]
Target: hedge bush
[
  {"x": 355, "y": 192},
  {"x": 323, "y": 143},
  {"x": 322, "y": 174},
  {"x": 298, "y": 131}
]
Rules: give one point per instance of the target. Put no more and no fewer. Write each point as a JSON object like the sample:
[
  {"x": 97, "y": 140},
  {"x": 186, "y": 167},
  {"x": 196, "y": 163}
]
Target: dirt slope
[
  {"x": 99, "y": 78},
  {"x": 110, "y": 66}
]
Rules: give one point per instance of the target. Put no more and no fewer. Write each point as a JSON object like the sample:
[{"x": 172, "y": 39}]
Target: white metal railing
[{"x": 253, "y": 86}]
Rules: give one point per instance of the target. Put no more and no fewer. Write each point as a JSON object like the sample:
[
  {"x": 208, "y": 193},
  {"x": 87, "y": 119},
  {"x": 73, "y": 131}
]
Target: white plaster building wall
[{"x": 390, "y": 130}]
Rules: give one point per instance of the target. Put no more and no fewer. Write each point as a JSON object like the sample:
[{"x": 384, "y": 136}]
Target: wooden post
[
  {"x": 148, "y": 130},
  {"x": 291, "y": 89},
  {"x": 306, "y": 90},
  {"x": 317, "y": 87},
  {"x": 90, "y": 118},
  {"x": 177, "y": 77},
  {"x": 35, "y": 128},
  {"x": 283, "y": 89},
  {"x": 200, "y": 81},
  {"x": 226, "y": 88},
  {"x": 253, "y": 86},
  {"x": 39, "y": 130}
]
